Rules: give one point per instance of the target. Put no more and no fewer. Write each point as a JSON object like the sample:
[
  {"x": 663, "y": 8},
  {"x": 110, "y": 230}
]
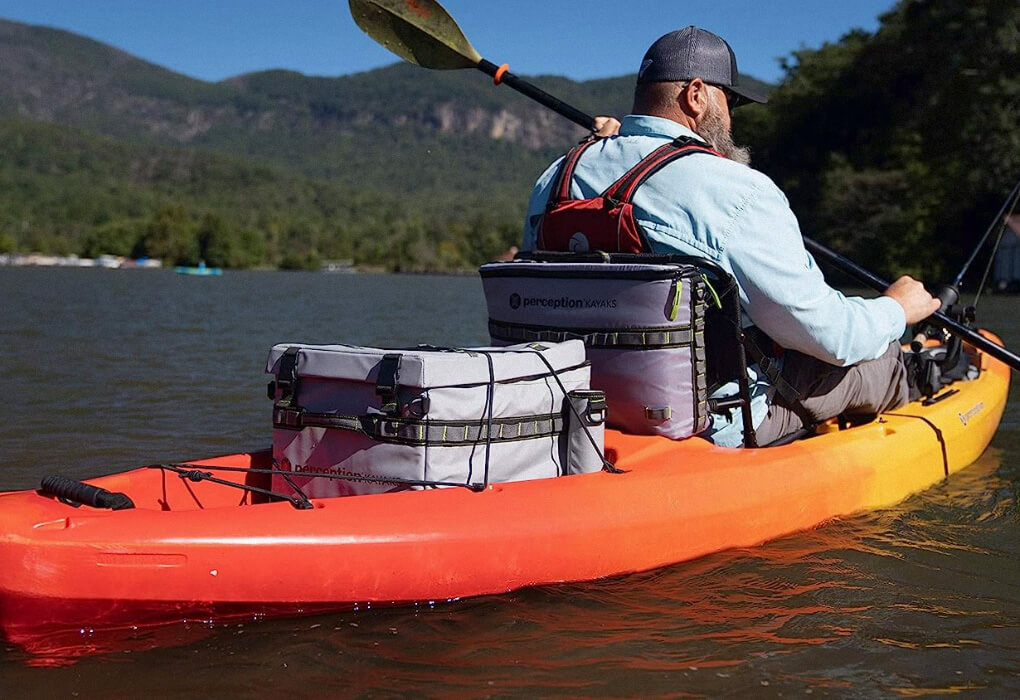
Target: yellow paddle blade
[{"x": 419, "y": 31}]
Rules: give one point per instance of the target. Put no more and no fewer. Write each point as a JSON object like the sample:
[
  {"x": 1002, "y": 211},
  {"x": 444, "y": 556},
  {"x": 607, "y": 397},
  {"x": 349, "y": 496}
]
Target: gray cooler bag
[
  {"x": 643, "y": 325},
  {"x": 352, "y": 420}
]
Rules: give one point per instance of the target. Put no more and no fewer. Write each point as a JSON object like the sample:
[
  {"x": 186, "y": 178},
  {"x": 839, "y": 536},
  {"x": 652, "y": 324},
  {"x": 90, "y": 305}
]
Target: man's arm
[{"x": 788, "y": 298}]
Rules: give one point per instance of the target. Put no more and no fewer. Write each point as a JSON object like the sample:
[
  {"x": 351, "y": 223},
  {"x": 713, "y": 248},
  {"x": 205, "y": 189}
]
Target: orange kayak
[{"x": 204, "y": 550}]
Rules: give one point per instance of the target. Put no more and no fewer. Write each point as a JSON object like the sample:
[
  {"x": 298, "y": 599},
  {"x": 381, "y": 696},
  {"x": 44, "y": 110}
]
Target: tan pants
[{"x": 827, "y": 391}]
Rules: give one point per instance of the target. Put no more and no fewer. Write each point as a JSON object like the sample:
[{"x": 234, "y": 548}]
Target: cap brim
[{"x": 749, "y": 95}]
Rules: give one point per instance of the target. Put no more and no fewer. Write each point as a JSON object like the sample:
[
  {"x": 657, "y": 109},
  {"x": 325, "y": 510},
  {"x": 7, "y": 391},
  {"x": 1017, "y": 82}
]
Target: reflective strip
[{"x": 653, "y": 338}]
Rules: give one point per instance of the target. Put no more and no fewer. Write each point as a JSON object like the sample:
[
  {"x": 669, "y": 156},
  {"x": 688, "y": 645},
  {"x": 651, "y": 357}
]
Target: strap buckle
[
  {"x": 658, "y": 413},
  {"x": 387, "y": 428},
  {"x": 598, "y": 410},
  {"x": 288, "y": 418},
  {"x": 387, "y": 382},
  {"x": 287, "y": 378}
]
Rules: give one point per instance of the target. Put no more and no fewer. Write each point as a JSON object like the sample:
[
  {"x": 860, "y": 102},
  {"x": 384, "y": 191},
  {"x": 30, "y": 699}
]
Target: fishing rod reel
[{"x": 930, "y": 367}]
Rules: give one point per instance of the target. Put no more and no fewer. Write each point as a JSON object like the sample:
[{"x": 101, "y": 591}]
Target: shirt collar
[{"x": 645, "y": 125}]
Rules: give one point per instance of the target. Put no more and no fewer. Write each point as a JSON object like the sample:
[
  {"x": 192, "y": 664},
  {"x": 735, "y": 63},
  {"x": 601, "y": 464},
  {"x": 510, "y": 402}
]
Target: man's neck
[{"x": 678, "y": 116}]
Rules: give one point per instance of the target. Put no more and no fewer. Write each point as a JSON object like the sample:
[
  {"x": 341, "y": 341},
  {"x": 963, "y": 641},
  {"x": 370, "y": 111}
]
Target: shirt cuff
[{"x": 891, "y": 317}]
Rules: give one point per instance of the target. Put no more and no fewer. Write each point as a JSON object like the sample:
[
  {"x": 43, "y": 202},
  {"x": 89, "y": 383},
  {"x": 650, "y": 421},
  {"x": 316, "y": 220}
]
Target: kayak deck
[{"x": 201, "y": 550}]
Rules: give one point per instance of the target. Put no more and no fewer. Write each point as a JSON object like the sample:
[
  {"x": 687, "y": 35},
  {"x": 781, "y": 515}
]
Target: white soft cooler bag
[{"x": 353, "y": 420}]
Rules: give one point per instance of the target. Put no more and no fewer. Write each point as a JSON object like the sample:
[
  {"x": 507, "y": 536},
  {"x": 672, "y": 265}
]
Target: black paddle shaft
[
  {"x": 938, "y": 318},
  {"x": 541, "y": 96}
]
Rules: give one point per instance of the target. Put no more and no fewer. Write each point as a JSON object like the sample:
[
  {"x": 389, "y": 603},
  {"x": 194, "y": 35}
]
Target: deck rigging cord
[{"x": 204, "y": 472}]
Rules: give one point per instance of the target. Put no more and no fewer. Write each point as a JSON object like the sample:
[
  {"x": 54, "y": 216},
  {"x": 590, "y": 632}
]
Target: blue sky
[{"x": 582, "y": 39}]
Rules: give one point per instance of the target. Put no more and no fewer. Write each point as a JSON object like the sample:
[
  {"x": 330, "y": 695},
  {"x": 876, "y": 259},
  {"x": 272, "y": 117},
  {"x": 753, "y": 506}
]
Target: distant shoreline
[{"x": 111, "y": 262}]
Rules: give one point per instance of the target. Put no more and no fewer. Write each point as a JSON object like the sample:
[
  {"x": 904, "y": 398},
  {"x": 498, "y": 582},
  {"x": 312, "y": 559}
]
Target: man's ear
[{"x": 694, "y": 100}]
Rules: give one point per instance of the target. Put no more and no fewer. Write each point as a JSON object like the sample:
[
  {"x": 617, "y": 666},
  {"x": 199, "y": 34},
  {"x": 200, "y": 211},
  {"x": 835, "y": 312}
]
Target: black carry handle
[{"x": 80, "y": 493}]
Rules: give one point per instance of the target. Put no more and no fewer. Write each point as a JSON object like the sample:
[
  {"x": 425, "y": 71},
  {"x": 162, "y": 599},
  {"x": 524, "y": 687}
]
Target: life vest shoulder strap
[
  {"x": 623, "y": 189},
  {"x": 561, "y": 187}
]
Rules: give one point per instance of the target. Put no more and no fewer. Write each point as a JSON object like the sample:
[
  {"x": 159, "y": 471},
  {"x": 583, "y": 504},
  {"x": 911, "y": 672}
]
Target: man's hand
[
  {"x": 606, "y": 126},
  {"x": 917, "y": 303}
]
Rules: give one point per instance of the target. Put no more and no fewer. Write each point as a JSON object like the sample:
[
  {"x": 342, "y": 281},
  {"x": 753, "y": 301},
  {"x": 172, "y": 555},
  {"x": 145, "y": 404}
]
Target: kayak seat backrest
[{"x": 661, "y": 331}]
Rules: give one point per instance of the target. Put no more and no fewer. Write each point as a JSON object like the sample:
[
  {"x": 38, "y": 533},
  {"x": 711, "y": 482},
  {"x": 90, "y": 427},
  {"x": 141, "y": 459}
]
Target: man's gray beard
[{"x": 713, "y": 129}]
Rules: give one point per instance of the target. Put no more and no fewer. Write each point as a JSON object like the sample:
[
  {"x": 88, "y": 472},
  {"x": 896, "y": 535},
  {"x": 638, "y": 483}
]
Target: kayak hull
[{"x": 202, "y": 551}]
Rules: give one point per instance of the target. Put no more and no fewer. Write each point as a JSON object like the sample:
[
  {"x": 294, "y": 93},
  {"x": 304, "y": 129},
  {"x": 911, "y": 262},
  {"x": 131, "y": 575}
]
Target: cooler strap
[
  {"x": 387, "y": 383},
  {"x": 286, "y": 378},
  {"x": 598, "y": 338},
  {"x": 419, "y": 432}
]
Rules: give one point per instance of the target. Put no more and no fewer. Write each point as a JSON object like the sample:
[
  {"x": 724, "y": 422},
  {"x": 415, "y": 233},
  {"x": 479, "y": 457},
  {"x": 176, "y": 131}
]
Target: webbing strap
[
  {"x": 660, "y": 153},
  {"x": 561, "y": 189},
  {"x": 387, "y": 382},
  {"x": 417, "y": 432},
  {"x": 632, "y": 338},
  {"x": 623, "y": 189},
  {"x": 287, "y": 378},
  {"x": 770, "y": 368}
]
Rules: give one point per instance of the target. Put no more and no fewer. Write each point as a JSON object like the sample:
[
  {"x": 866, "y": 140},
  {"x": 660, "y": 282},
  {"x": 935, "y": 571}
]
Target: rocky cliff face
[
  {"x": 530, "y": 128},
  {"x": 55, "y": 76}
]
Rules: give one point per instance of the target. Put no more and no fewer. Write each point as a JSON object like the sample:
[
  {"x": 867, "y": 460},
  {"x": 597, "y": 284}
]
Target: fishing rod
[
  {"x": 998, "y": 219},
  {"x": 422, "y": 32}
]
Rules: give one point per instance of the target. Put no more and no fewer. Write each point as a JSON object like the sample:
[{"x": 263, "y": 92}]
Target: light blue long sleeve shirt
[{"x": 736, "y": 216}]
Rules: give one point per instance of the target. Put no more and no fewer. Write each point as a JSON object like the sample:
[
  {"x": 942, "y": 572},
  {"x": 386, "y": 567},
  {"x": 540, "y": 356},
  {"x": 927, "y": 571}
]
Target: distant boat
[
  {"x": 338, "y": 266},
  {"x": 202, "y": 270},
  {"x": 110, "y": 262}
]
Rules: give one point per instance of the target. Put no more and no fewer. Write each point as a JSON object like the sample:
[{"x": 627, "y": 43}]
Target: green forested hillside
[
  {"x": 896, "y": 147},
  {"x": 66, "y": 191},
  {"x": 399, "y": 167}
]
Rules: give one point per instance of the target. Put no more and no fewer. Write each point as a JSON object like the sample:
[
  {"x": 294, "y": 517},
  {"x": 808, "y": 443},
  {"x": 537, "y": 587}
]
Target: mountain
[
  {"x": 446, "y": 145},
  {"x": 892, "y": 146},
  {"x": 320, "y": 126}
]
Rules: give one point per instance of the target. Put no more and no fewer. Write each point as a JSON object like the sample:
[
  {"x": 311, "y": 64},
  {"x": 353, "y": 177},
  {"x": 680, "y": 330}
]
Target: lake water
[{"x": 107, "y": 370}]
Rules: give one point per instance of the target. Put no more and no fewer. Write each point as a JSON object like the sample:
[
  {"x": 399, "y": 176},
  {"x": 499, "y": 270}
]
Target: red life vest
[{"x": 605, "y": 222}]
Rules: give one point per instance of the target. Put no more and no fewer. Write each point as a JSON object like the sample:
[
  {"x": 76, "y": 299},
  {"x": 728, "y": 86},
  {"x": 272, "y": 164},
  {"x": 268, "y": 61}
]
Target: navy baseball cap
[{"x": 690, "y": 53}]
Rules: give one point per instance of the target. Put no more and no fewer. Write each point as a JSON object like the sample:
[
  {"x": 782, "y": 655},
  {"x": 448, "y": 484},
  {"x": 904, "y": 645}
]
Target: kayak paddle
[{"x": 422, "y": 32}]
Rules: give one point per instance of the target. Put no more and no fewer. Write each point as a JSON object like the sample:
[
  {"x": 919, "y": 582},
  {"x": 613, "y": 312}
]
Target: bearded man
[{"x": 840, "y": 354}]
